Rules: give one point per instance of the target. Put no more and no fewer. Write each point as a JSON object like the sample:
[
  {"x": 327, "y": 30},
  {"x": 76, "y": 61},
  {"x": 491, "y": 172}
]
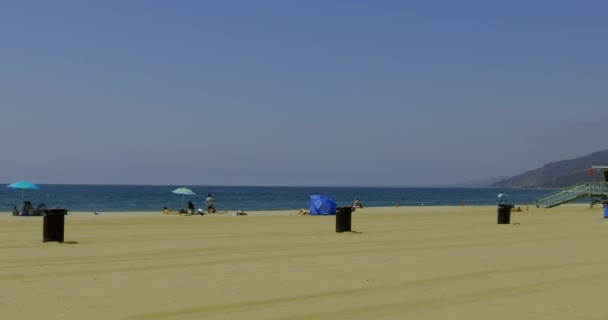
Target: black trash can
[
  {"x": 53, "y": 224},
  {"x": 343, "y": 217},
  {"x": 504, "y": 213}
]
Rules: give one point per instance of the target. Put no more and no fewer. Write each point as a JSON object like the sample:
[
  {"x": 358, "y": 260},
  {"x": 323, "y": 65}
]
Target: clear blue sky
[{"x": 298, "y": 92}]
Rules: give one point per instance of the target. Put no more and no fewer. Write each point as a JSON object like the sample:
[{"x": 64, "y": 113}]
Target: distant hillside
[{"x": 558, "y": 174}]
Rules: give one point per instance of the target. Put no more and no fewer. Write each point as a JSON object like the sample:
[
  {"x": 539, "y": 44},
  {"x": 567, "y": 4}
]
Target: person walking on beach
[{"x": 209, "y": 201}]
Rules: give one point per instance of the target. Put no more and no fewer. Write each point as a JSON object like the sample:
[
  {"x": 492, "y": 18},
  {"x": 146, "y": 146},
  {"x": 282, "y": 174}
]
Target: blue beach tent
[{"x": 322, "y": 205}]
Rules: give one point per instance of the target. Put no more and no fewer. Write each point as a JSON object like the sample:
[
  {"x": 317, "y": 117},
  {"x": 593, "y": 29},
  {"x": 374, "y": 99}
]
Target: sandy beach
[{"x": 401, "y": 263}]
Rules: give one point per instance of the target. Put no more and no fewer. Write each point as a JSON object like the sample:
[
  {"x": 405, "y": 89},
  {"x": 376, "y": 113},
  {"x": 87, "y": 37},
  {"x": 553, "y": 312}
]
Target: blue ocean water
[{"x": 112, "y": 198}]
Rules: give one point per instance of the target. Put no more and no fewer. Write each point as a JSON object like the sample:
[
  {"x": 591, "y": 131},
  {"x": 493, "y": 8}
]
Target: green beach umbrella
[{"x": 183, "y": 192}]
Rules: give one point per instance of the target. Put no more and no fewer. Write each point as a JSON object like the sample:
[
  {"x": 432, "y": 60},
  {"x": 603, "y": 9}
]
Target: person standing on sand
[{"x": 209, "y": 201}]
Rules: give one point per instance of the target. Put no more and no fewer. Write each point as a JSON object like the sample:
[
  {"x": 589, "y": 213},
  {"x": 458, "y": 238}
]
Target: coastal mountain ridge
[{"x": 558, "y": 174}]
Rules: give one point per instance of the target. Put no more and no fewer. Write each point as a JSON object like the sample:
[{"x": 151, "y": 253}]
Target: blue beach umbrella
[
  {"x": 23, "y": 185},
  {"x": 183, "y": 192},
  {"x": 322, "y": 205}
]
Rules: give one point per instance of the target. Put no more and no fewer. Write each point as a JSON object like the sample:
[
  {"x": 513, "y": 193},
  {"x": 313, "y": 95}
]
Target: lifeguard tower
[{"x": 596, "y": 191}]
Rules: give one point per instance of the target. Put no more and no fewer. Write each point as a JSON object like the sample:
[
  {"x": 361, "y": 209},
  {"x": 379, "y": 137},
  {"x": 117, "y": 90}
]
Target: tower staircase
[{"x": 596, "y": 191}]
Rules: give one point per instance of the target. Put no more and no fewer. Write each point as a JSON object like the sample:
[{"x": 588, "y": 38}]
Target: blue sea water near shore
[{"x": 115, "y": 198}]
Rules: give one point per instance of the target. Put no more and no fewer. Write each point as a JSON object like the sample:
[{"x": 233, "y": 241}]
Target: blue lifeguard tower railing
[{"x": 596, "y": 191}]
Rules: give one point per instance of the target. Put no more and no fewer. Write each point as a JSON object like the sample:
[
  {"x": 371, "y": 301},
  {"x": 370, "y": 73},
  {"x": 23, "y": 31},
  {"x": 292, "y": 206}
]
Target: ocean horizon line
[{"x": 439, "y": 186}]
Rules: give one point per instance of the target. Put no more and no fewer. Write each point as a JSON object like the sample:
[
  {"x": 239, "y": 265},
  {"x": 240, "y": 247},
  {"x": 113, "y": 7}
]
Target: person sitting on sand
[
  {"x": 357, "y": 204},
  {"x": 167, "y": 211},
  {"x": 28, "y": 208},
  {"x": 15, "y": 211},
  {"x": 303, "y": 212},
  {"x": 190, "y": 207}
]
